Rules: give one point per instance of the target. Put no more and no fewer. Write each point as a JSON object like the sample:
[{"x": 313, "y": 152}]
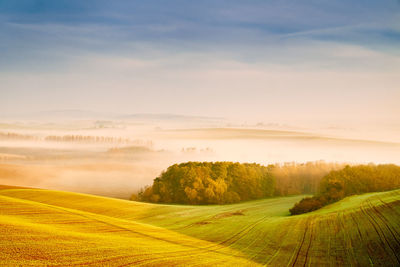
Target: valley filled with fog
[{"x": 118, "y": 156}]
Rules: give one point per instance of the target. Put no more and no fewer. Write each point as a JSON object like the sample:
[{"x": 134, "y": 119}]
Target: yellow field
[{"x": 43, "y": 227}]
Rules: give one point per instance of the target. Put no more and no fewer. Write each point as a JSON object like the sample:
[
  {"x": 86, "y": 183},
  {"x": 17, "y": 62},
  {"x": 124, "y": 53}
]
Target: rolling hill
[{"x": 59, "y": 228}]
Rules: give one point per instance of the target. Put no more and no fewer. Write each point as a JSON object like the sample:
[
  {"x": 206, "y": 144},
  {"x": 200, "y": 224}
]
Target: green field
[{"x": 59, "y": 228}]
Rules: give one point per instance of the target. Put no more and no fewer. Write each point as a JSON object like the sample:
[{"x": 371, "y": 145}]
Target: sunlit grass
[{"x": 53, "y": 227}]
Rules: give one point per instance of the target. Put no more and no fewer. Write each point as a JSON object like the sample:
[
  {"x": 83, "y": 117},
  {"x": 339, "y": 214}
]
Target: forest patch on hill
[
  {"x": 232, "y": 182},
  {"x": 351, "y": 180}
]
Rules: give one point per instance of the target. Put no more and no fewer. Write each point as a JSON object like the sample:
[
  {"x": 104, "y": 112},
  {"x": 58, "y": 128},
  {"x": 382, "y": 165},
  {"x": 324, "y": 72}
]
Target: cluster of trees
[
  {"x": 210, "y": 183},
  {"x": 350, "y": 181},
  {"x": 228, "y": 182},
  {"x": 73, "y": 138},
  {"x": 87, "y": 139},
  {"x": 16, "y": 136},
  {"x": 301, "y": 178}
]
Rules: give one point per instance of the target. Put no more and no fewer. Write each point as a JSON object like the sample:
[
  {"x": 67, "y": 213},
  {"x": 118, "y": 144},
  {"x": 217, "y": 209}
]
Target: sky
[{"x": 271, "y": 61}]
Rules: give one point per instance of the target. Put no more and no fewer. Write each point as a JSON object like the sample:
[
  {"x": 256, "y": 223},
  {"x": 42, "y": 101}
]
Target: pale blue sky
[{"x": 268, "y": 60}]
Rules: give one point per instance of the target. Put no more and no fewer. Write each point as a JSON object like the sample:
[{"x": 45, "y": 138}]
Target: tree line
[
  {"x": 350, "y": 180},
  {"x": 210, "y": 183},
  {"x": 87, "y": 139},
  {"x": 16, "y": 136},
  {"x": 230, "y": 182},
  {"x": 76, "y": 138},
  {"x": 301, "y": 178}
]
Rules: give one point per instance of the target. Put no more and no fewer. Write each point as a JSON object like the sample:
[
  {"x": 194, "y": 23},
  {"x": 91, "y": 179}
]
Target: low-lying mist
[{"x": 118, "y": 158}]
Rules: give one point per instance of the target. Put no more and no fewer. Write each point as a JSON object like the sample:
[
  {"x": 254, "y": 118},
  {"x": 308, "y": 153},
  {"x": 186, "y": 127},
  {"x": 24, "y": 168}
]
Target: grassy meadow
[{"x": 60, "y": 228}]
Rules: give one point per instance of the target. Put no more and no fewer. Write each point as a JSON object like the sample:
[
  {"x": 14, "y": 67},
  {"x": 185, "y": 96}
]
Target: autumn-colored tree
[
  {"x": 229, "y": 182},
  {"x": 351, "y": 180},
  {"x": 211, "y": 183}
]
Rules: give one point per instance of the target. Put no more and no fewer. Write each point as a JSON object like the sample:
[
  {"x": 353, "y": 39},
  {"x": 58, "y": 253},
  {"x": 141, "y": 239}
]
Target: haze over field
[
  {"x": 266, "y": 82},
  {"x": 117, "y": 156},
  {"x": 187, "y": 133}
]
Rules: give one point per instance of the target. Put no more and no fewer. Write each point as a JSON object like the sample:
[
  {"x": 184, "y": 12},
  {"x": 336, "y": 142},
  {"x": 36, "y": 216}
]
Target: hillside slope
[{"x": 52, "y": 227}]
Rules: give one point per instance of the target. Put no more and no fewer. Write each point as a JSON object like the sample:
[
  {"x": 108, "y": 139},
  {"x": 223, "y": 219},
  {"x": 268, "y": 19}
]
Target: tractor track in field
[
  {"x": 301, "y": 242},
  {"x": 350, "y": 250},
  {"x": 266, "y": 262},
  {"x": 191, "y": 249},
  {"x": 389, "y": 205},
  {"x": 395, "y": 246},
  {"x": 310, "y": 242},
  {"x": 386, "y": 223},
  {"x": 263, "y": 249},
  {"x": 378, "y": 230},
  {"x": 239, "y": 234},
  {"x": 380, "y": 238},
  {"x": 360, "y": 236},
  {"x": 178, "y": 254},
  {"x": 218, "y": 246},
  {"x": 221, "y": 244},
  {"x": 242, "y": 232}
]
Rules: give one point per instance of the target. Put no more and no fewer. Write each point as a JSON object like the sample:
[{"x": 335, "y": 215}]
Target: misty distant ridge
[
  {"x": 169, "y": 121},
  {"x": 271, "y": 134},
  {"x": 60, "y": 114},
  {"x": 166, "y": 116},
  {"x": 88, "y": 114}
]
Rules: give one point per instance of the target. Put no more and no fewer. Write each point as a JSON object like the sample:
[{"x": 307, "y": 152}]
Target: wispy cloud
[{"x": 267, "y": 57}]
